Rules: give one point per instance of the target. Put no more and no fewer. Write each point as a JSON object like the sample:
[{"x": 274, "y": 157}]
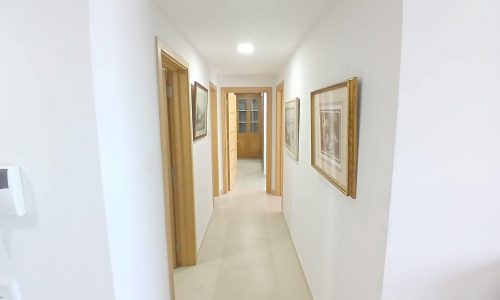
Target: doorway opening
[
  {"x": 214, "y": 140},
  {"x": 246, "y": 132},
  {"x": 177, "y": 155},
  {"x": 280, "y": 103}
]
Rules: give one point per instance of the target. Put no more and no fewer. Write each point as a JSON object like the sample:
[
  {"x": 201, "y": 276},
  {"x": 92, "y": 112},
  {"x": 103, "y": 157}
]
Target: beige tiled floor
[{"x": 247, "y": 253}]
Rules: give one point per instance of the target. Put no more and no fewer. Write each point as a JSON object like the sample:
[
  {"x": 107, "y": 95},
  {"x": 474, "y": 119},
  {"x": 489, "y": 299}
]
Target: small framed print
[
  {"x": 200, "y": 110},
  {"x": 334, "y": 134},
  {"x": 292, "y": 114}
]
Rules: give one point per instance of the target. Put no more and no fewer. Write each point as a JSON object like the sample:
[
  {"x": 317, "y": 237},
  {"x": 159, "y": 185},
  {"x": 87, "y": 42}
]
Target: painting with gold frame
[
  {"x": 291, "y": 119},
  {"x": 334, "y": 134},
  {"x": 200, "y": 110}
]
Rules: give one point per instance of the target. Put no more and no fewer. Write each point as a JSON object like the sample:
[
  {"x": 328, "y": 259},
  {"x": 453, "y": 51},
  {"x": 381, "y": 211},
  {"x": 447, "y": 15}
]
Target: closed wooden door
[
  {"x": 232, "y": 139},
  {"x": 250, "y": 126},
  {"x": 167, "y": 132}
]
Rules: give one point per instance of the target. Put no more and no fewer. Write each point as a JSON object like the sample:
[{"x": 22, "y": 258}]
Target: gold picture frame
[
  {"x": 334, "y": 134},
  {"x": 200, "y": 110},
  {"x": 291, "y": 117}
]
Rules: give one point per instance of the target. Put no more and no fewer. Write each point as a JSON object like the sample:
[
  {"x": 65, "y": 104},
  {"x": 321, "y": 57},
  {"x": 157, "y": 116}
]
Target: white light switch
[
  {"x": 11, "y": 192},
  {"x": 8, "y": 290}
]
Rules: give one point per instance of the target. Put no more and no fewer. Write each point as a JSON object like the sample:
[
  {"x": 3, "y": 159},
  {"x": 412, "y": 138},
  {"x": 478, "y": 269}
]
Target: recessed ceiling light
[{"x": 245, "y": 48}]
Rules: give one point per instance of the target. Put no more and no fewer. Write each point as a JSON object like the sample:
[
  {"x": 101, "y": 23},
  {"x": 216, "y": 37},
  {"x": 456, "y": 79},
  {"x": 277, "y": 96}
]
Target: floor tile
[
  {"x": 196, "y": 283},
  {"x": 277, "y": 227},
  {"x": 284, "y": 254},
  {"x": 211, "y": 251},
  {"x": 292, "y": 284},
  {"x": 247, "y": 227},
  {"x": 247, "y": 252},
  {"x": 247, "y": 284}
]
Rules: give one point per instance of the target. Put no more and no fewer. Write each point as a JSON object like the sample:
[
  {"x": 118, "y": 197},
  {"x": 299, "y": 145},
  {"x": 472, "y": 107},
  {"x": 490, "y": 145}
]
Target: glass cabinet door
[
  {"x": 248, "y": 116},
  {"x": 242, "y": 116},
  {"x": 254, "y": 116}
]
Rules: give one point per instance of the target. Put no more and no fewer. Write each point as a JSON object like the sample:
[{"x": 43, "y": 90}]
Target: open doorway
[
  {"x": 177, "y": 155},
  {"x": 280, "y": 103},
  {"x": 214, "y": 140},
  {"x": 246, "y": 132}
]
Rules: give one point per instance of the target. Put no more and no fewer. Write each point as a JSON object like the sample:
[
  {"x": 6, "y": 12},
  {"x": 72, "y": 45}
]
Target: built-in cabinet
[{"x": 250, "y": 125}]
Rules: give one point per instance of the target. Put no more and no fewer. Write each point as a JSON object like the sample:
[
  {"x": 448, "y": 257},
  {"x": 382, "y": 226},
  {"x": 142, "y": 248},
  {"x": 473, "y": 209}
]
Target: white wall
[
  {"x": 125, "y": 84},
  {"x": 340, "y": 241},
  {"x": 59, "y": 250},
  {"x": 77, "y": 104},
  {"x": 251, "y": 80},
  {"x": 202, "y": 159},
  {"x": 126, "y": 93},
  {"x": 444, "y": 226}
]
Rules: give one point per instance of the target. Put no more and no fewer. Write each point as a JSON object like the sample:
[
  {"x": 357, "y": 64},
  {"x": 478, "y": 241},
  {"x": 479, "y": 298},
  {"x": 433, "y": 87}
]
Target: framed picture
[
  {"x": 334, "y": 134},
  {"x": 200, "y": 110},
  {"x": 292, "y": 113}
]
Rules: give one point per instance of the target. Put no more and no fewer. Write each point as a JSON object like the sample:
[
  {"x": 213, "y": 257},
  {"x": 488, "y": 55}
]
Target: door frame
[
  {"x": 280, "y": 102},
  {"x": 224, "y": 120},
  {"x": 214, "y": 131},
  {"x": 176, "y": 146}
]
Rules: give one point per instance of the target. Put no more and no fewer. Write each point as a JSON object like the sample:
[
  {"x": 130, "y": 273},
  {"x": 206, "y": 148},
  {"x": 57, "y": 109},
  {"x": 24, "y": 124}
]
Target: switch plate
[
  {"x": 8, "y": 290},
  {"x": 11, "y": 192}
]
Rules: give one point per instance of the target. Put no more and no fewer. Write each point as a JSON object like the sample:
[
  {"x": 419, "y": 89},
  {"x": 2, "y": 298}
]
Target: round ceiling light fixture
[{"x": 246, "y": 48}]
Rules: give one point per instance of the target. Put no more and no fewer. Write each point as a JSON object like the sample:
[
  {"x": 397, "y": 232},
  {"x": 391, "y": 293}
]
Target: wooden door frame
[
  {"x": 214, "y": 131},
  {"x": 181, "y": 153},
  {"x": 280, "y": 102},
  {"x": 224, "y": 119},
  {"x": 231, "y": 177}
]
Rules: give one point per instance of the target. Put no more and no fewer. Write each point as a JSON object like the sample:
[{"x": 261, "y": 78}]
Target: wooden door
[
  {"x": 176, "y": 136},
  {"x": 249, "y": 126},
  {"x": 232, "y": 139},
  {"x": 167, "y": 165}
]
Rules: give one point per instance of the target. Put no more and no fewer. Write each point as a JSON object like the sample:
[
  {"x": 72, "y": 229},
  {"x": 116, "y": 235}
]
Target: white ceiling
[{"x": 215, "y": 27}]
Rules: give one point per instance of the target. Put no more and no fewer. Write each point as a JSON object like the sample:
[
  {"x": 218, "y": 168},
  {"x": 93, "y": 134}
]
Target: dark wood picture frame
[{"x": 196, "y": 114}]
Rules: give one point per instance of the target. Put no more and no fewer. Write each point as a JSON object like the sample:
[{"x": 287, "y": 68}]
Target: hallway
[
  {"x": 247, "y": 252},
  {"x": 121, "y": 121}
]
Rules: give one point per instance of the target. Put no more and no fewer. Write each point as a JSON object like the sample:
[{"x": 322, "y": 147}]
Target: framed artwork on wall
[
  {"x": 334, "y": 134},
  {"x": 200, "y": 110},
  {"x": 292, "y": 114}
]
